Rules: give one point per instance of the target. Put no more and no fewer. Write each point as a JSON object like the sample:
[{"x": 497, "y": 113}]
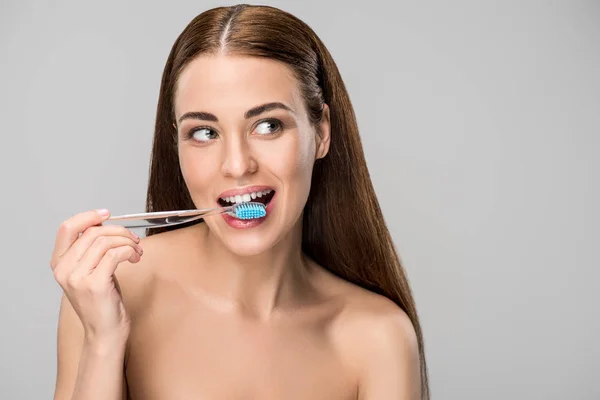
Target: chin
[
  {"x": 247, "y": 244},
  {"x": 252, "y": 241}
]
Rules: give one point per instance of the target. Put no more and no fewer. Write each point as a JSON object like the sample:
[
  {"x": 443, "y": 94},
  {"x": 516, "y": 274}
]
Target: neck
[{"x": 255, "y": 285}]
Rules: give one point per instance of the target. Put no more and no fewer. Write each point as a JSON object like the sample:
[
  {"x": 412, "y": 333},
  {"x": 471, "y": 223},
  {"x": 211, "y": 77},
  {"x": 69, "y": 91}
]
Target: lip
[
  {"x": 242, "y": 191},
  {"x": 251, "y": 223}
]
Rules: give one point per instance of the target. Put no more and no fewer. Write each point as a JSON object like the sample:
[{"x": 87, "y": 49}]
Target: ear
[{"x": 324, "y": 133}]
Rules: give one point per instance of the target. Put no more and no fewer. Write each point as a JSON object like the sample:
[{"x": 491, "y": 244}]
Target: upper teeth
[{"x": 244, "y": 198}]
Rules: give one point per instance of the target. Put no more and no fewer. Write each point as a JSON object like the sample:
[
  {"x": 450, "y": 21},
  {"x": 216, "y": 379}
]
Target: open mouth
[{"x": 261, "y": 196}]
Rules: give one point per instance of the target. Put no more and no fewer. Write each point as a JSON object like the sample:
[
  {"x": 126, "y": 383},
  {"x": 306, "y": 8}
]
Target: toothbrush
[{"x": 247, "y": 210}]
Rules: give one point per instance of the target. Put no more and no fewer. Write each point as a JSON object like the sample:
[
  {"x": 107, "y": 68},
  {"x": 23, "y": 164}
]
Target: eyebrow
[{"x": 253, "y": 112}]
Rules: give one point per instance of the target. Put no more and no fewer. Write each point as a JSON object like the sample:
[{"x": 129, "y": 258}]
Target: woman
[{"x": 310, "y": 302}]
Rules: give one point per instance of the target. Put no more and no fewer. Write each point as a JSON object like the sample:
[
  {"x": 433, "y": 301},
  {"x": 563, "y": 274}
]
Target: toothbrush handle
[{"x": 164, "y": 218}]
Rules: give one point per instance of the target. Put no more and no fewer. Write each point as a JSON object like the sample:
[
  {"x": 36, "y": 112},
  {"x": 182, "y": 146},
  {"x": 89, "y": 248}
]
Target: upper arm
[
  {"x": 69, "y": 344},
  {"x": 390, "y": 359}
]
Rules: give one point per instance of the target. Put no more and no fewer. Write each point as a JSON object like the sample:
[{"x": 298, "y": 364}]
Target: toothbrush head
[{"x": 249, "y": 210}]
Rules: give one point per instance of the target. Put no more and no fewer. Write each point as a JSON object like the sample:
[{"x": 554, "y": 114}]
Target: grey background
[{"x": 480, "y": 123}]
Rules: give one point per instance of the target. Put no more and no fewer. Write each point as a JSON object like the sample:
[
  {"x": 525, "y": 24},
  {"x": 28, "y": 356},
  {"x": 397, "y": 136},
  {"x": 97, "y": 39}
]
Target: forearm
[{"x": 100, "y": 374}]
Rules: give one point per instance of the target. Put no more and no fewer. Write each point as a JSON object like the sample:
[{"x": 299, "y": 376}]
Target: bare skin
[
  {"x": 216, "y": 312},
  {"x": 333, "y": 341}
]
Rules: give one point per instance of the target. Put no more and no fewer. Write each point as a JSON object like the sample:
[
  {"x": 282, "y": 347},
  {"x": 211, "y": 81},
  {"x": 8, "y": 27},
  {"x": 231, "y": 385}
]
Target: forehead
[{"x": 233, "y": 83}]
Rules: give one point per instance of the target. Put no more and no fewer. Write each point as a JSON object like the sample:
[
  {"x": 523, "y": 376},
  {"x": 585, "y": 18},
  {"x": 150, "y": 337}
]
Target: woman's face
[{"x": 244, "y": 134}]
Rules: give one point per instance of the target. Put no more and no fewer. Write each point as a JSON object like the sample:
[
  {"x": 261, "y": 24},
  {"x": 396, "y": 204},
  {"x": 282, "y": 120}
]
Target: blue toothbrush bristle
[{"x": 250, "y": 211}]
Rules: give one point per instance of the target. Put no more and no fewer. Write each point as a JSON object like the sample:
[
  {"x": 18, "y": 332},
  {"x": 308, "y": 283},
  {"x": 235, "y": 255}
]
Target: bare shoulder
[
  {"x": 370, "y": 321},
  {"x": 377, "y": 338},
  {"x": 365, "y": 314}
]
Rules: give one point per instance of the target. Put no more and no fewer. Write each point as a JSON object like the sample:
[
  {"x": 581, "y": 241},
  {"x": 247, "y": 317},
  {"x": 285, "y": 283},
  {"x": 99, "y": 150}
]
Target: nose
[{"x": 237, "y": 158}]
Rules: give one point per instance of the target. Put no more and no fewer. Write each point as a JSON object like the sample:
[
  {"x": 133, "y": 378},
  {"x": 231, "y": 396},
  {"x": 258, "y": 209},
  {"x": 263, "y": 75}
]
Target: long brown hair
[{"x": 353, "y": 241}]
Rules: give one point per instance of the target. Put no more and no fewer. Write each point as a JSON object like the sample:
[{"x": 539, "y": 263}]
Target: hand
[{"x": 85, "y": 257}]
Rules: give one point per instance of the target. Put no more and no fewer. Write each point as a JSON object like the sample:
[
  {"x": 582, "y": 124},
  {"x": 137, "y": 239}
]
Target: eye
[
  {"x": 202, "y": 134},
  {"x": 268, "y": 127}
]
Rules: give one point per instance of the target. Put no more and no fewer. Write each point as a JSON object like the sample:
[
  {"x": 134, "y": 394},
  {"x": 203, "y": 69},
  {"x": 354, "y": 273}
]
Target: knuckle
[
  {"x": 126, "y": 252},
  {"x": 72, "y": 282},
  {"x": 65, "y": 228},
  {"x": 112, "y": 254},
  {"x": 60, "y": 276},
  {"x": 90, "y": 231},
  {"x": 132, "y": 254},
  {"x": 121, "y": 229},
  {"x": 102, "y": 240}
]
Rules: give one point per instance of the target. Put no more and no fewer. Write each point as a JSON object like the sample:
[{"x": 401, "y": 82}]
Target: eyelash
[{"x": 280, "y": 127}]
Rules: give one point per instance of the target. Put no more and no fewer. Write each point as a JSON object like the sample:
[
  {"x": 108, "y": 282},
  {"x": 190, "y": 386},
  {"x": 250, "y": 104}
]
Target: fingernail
[
  {"x": 103, "y": 212},
  {"x": 135, "y": 236}
]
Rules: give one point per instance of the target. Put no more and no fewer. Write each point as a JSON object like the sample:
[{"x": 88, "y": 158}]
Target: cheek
[
  {"x": 197, "y": 168},
  {"x": 291, "y": 159},
  {"x": 305, "y": 155}
]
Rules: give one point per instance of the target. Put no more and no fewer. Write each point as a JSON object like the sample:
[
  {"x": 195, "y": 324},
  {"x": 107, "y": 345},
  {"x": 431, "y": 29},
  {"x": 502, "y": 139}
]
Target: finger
[
  {"x": 101, "y": 246},
  {"x": 90, "y": 235},
  {"x": 111, "y": 260},
  {"x": 69, "y": 231}
]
